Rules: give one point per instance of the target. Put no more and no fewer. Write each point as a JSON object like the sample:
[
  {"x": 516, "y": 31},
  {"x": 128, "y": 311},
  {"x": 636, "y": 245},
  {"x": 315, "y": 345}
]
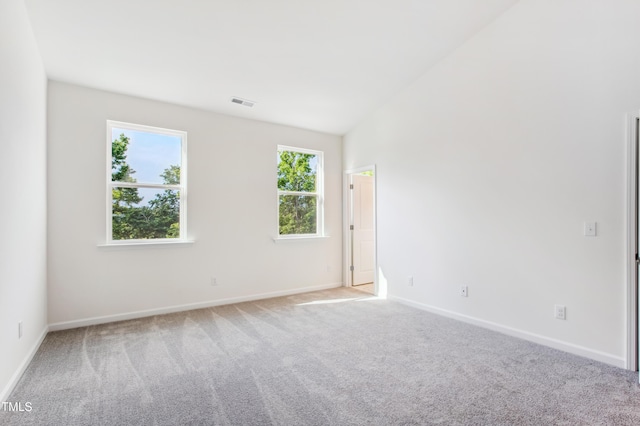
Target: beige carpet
[{"x": 337, "y": 357}]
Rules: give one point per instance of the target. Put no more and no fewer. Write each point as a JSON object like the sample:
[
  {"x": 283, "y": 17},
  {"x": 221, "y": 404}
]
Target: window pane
[
  {"x": 297, "y": 171},
  {"x": 297, "y": 214},
  {"x": 143, "y": 213},
  {"x": 145, "y": 157}
]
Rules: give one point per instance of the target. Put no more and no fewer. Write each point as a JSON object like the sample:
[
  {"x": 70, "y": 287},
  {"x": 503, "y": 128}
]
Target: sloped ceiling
[{"x": 315, "y": 64}]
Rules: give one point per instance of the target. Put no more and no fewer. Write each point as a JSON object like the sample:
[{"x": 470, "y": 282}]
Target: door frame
[
  {"x": 346, "y": 222},
  {"x": 632, "y": 240}
]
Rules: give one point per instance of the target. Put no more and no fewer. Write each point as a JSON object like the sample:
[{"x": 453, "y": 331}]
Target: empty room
[{"x": 337, "y": 212}]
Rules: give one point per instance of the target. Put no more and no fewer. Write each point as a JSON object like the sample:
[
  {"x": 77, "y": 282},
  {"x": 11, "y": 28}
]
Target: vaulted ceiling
[{"x": 315, "y": 64}]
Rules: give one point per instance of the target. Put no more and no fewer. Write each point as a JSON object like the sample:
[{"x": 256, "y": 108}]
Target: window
[
  {"x": 300, "y": 192},
  {"x": 146, "y": 184}
]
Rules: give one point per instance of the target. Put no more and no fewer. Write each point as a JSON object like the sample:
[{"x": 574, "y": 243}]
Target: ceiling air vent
[{"x": 243, "y": 102}]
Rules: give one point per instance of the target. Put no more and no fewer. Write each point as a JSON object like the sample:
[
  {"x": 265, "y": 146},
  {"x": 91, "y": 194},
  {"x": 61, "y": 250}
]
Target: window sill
[
  {"x": 144, "y": 244},
  {"x": 301, "y": 238}
]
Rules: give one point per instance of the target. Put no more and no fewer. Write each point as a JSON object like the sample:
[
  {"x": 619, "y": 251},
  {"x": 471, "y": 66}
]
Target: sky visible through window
[
  {"x": 313, "y": 163},
  {"x": 149, "y": 154}
]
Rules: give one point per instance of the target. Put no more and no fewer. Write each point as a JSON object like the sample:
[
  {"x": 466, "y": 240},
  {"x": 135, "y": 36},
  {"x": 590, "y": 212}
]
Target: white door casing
[
  {"x": 634, "y": 362},
  {"x": 633, "y": 236},
  {"x": 636, "y": 165}
]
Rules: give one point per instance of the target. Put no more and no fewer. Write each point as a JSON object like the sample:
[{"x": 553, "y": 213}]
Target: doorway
[{"x": 360, "y": 232}]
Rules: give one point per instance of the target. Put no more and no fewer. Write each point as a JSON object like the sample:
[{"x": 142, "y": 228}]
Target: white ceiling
[{"x": 315, "y": 64}]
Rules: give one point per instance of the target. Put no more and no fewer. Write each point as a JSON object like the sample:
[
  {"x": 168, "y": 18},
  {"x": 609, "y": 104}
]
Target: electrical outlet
[
  {"x": 410, "y": 281},
  {"x": 560, "y": 312},
  {"x": 19, "y": 329},
  {"x": 214, "y": 281},
  {"x": 464, "y": 291}
]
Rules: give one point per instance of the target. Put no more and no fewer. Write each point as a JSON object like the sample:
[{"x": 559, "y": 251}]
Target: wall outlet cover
[{"x": 560, "y": 312}]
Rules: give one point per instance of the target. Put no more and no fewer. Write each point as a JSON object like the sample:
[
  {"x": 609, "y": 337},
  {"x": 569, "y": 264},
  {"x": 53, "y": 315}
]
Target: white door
[{"x": 362, "y": 233}]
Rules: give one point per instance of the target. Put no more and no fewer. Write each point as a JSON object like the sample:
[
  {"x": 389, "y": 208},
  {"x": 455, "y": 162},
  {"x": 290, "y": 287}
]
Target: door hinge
[
  {"x": 351, "y": 227},
  {"x": 351, "y": 268},
  {"x": 351, "y": 186}
]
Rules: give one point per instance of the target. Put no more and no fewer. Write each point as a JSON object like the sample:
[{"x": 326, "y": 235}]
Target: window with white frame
[
  {"x": 300, "y": 192},
  {"x": 146, "y": 183}
]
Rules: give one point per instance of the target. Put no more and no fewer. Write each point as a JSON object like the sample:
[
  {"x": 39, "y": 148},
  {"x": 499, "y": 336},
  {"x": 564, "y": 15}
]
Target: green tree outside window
[
  {"x": 297, "y": 192},
  {"x": 132, "y": 217}
]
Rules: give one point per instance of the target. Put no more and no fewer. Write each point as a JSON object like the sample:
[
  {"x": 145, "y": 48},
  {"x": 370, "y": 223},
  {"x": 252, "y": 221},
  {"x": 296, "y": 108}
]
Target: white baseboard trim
[
  {"x": 532, "y": 337},
  {"x": 13, "y": 381},
  {"x": 187, "y": 307}
]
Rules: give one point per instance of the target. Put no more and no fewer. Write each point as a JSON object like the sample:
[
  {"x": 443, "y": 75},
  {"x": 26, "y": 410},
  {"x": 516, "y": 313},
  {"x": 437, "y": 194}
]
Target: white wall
[
  {"x": 490, "y": 162},
  {"x": 231, "y": 212},
  {"x": 23, "y": 207}
]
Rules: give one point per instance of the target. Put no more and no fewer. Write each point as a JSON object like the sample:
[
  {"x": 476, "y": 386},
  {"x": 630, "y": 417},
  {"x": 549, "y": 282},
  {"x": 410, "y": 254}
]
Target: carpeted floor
[{"x": 336, "y": 357}]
